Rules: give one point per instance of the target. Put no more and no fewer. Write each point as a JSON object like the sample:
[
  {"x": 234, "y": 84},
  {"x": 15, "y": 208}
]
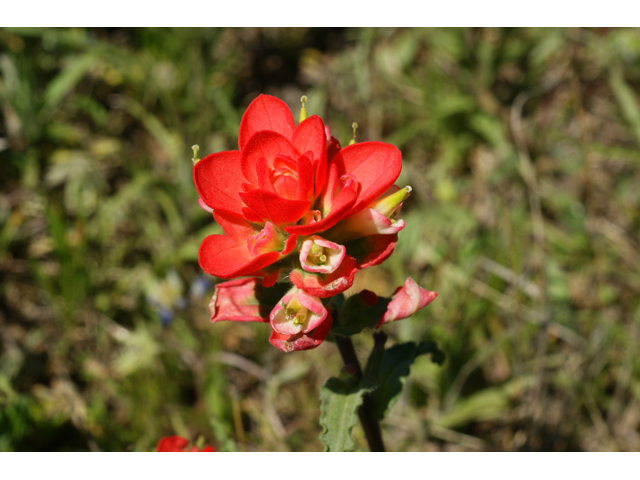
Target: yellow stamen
[
  {"x": 195, "y": 158},
  {"x": 300, "y": 319},
  {"x": 316, "y": 255},
  {"x": 303, "y": 111},
  {"x": 295, "y": 313},
  {"x": 354, "y": 125},
  {"x": 315, "y": 249}
]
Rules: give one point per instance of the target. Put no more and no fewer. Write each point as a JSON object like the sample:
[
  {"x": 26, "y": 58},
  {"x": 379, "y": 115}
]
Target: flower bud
[
  {"x": 390, "y": 205},
  {"x": 377, "y": 219},
  {"x": 406, "y": 300}
]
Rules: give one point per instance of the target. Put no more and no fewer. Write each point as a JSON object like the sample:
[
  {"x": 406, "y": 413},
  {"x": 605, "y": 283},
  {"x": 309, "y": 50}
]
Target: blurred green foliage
[{"x": 522, "y": 148}]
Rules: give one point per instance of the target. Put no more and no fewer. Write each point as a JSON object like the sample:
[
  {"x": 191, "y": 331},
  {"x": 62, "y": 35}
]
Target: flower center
[
  {"x": 269, "y": 239},
  {"x": 296, "y": 314},
  {"x": 316, "y": 255},
  {"x": 320, "y": 255},
  {"x": 285, "y": 181},
  {"x": 296, "y": 317}
]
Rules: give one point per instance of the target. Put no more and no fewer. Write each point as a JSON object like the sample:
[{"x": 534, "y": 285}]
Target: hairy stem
[{"x": 366, "y": 414}]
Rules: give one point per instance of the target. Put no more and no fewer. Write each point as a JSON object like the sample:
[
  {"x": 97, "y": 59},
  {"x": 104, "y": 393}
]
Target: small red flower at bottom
[{"x": 178, "y": 444}]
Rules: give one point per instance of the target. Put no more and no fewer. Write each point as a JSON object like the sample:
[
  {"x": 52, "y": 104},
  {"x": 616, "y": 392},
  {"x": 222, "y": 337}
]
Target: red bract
[
  {"x": 237, "y": 301},
  {"x": 406, "y": 300},
  {"x": 244, "y": 300},
  {"x": 303, "y": 340},
  {"x": 297, "y": 313},
  {"x": 293, "y": 204},
  {"x": 282, "y": 184},
  {"x": 179, "y": 444}
]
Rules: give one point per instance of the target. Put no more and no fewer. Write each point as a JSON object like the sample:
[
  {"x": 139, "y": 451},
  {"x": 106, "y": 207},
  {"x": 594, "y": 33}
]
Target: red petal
[
  {"x": 251, "y": 216},
  {"x": 227, "y": 256},
  {"x": 302, "y": 341},
  {"x": 368, "y": 298},
  {"x": 372, "y": 250},
  {"x": 324, "y": 286},
  {"x": 289, "y": 244},
  {"x": 310, "y": 135},
  {"x": 284, "y": 161},
  {"x": 267, "y": 145},
  {"x": 204, "y": 206},
  {"x": 264, "y": 174},
  {"x": 239, "y": 300},
  {"x": 218, "y": 179},
  {"x": 406, "y": 300},
  {"x": 305, "y": 179},
  {"x": 233, "y": 224},
  {"x": 274, "y": 208},
  {"x": 340, "y": 206},
  {"x": 268, "y": 275},
  {"x": 235, "y": 301},
  {"x": 333, "y": 148},
  {"x": 271, "y": 273},
  {"x": 286, "y": 187},
  {"x": 270, "y": 278},
  {"x": 376, "y": 165},
  {"x": 265, "y": 113},
  {"x": 172, "y": 444}
]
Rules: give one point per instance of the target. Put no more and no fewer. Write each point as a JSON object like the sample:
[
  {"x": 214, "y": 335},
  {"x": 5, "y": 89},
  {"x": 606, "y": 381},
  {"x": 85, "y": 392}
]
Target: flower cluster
[{"x": 295, "y": 205}]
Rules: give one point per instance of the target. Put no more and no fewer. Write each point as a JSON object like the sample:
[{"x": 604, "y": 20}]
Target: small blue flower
[{"x": 200, "y": 286}]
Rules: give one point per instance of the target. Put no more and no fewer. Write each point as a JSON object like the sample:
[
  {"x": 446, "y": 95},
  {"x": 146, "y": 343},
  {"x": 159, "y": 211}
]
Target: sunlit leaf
[{"x": 338, "y": 413}]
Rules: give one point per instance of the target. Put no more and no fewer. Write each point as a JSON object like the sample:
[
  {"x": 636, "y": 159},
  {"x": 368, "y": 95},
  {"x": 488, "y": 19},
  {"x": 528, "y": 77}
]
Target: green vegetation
[{"x": 523, "y": 150}]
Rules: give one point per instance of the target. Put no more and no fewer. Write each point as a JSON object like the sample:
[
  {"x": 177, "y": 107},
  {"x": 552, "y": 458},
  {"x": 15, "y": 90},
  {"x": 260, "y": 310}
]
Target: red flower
[
  {"x": 179, "y": 444},
  {"x": 301, "y": 341},
  {"x": 293, "y": 204},
  {"x": 299, "y": 322},
  {"x": 283, "y": 183}
]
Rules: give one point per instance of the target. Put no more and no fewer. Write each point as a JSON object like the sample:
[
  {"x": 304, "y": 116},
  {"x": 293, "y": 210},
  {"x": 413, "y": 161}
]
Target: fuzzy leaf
[
  {"x": 339, "y": 413},
  {"x": 394, "y": 370}
]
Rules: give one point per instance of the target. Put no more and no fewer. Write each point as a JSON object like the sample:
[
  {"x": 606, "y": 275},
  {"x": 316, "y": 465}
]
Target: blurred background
[{"x": 522, "y": 148}]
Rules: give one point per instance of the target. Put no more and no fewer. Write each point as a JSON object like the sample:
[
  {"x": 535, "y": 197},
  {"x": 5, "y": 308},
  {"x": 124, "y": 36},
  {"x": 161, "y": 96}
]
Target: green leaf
[
  {"x": 140, "y": 353},
  {"x": 223, "y": 435},
  {"x": 339, "y": 413},
  {"x": 66, "y": 80},
  {"x": 485, "y": 405},
  {"x": 394, "y": 370},
  {"x": 626, "y": 99}
]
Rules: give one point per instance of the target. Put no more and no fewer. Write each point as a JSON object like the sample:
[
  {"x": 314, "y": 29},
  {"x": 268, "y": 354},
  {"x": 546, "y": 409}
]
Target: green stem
[{"x": 366, "y": 414}]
